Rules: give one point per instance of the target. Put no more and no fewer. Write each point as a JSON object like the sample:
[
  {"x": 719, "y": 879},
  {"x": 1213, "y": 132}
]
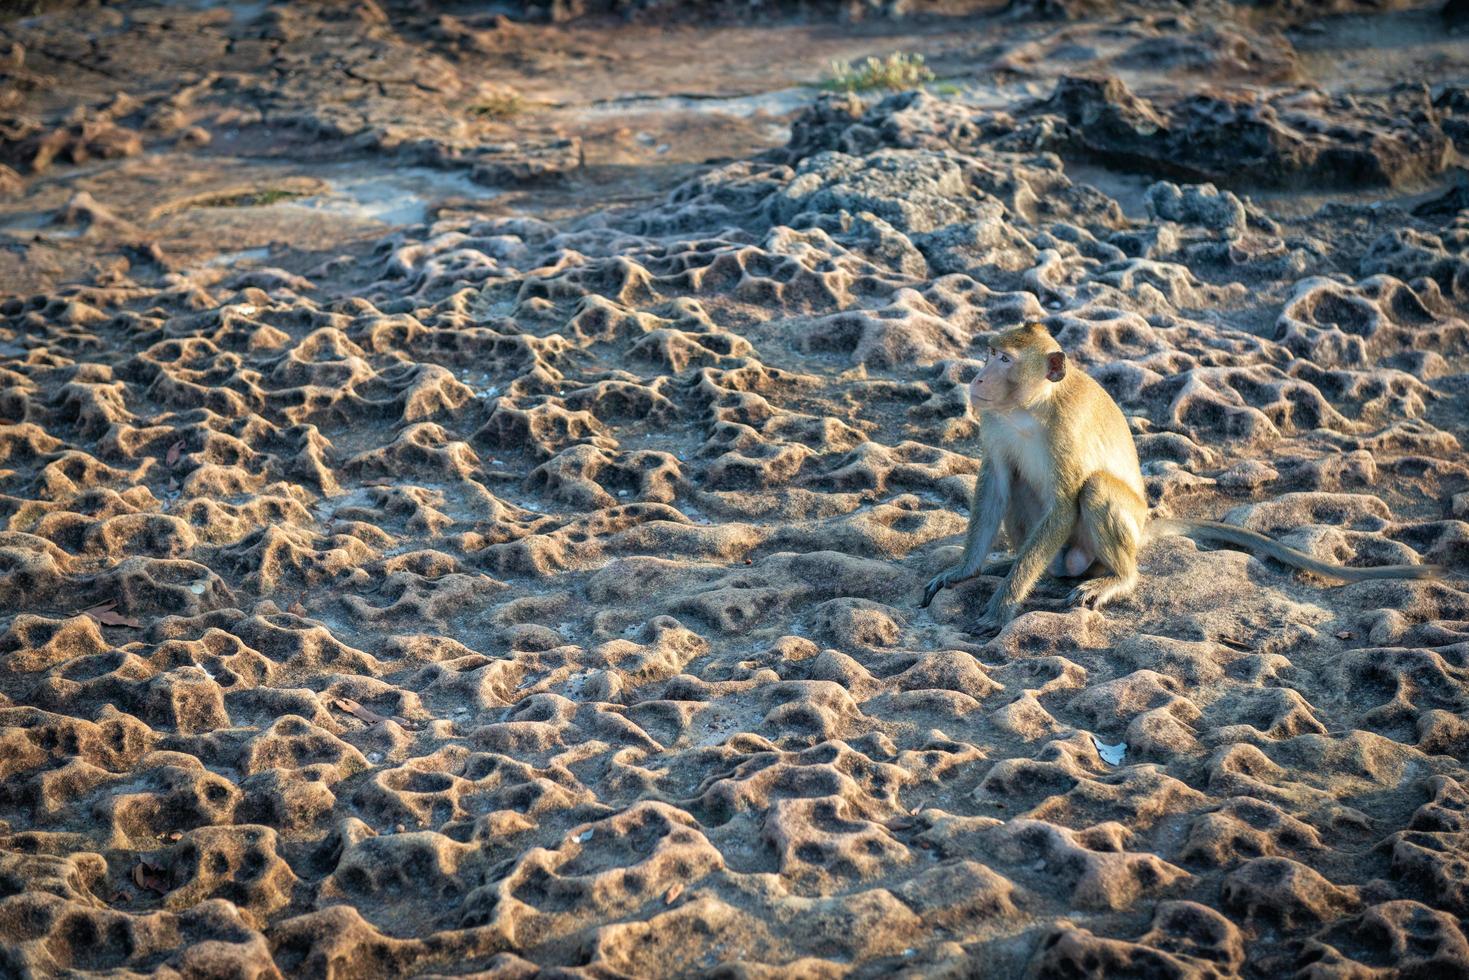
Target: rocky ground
[{"x": 466, "y": 483}]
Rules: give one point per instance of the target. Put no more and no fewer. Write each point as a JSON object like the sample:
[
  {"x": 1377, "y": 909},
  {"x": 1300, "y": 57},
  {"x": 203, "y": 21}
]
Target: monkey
[{"x": 1060, "y": 473}]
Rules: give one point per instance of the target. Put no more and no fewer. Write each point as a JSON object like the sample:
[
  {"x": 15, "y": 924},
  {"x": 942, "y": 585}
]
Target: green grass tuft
[
  {"x": 272, "y": 196},
  {"x": 500, "y": 104},
  {"x": 896, "y": 72},
  {"x": 249, "y": 199}
]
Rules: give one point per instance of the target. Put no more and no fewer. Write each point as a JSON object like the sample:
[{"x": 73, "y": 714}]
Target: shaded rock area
[
  {"x": 1243, "y": 138},
  {"x": 518, "y": 574}
]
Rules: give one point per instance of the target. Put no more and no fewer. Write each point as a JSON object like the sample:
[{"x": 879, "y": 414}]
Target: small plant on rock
[
  {"x": 896, "y": 72},
  {"x": 499, "y": 103}
]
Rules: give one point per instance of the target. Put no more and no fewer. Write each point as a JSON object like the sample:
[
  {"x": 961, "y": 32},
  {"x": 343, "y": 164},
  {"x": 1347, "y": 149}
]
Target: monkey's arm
[
  {"x": 1045, "y": 539},
  {"x": 986, "y": 512}
]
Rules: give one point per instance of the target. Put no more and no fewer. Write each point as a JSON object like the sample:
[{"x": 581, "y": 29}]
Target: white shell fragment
[{"x": 1111, "y": 754}]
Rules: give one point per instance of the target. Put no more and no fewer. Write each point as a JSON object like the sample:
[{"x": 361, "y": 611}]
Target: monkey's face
[
  {"x": 1022, "y": 365},
  {"x": 999, "y": 383}
]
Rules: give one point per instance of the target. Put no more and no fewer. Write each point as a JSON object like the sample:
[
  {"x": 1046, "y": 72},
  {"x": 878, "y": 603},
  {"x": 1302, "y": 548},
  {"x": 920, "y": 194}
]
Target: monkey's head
[{"x": 1023, "y": 363}]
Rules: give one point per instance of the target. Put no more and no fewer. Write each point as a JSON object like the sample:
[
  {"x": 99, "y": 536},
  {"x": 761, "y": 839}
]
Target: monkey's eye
[{"x": 1004, "y": 358}]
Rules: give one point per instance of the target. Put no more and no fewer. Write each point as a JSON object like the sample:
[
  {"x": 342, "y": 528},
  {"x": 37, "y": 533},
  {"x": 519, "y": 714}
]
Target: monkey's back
[{"x": 1095, "y": 434}]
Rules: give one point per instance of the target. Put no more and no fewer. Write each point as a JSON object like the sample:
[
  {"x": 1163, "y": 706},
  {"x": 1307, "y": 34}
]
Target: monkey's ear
[{"x": 1055, "y": 365}]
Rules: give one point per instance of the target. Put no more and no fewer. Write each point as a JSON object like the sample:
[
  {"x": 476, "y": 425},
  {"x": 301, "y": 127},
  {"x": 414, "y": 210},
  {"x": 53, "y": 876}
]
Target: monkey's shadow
[{"x": 1051, "y": 594}]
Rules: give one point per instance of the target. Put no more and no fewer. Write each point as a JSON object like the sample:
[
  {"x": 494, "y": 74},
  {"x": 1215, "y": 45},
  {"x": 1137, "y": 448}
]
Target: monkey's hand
[{"x": 940, "y": 582}]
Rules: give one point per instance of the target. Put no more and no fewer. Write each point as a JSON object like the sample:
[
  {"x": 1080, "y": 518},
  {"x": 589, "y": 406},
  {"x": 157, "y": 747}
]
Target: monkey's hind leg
[{"x": 1110, "y": 527}]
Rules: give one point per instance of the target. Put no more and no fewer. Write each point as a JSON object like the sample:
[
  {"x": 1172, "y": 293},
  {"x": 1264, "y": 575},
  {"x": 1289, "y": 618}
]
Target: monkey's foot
[
  {"x": 940, "y": 582},
  {"x": 1097, "y": 592},
  {"x": 995, "y": 618}
]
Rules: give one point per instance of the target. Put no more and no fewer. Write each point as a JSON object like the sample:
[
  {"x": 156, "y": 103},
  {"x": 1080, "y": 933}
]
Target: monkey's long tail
[{"x": 1257, "y": 542}]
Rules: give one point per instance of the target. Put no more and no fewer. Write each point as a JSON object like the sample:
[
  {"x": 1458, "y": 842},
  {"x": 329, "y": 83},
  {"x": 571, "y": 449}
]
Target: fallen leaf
[
  {"x": 358, "y": 711},
  {"x": 296, "y": 609},
  {"x": 150, "y": 876},
  {"x": 1344, "y": 635},
  {"x": 173, "y": 453},
  {"x": 199, "y": 587},
  {"x": 673, "y": 893},
  {"x": 1235, "y": 644},
  {"x": 105, "y": 614},
  {"x": 368, "y": 715}
]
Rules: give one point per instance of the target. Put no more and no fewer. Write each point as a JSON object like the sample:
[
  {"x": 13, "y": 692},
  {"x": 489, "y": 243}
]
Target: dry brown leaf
[
  {"x": 109, "y": 618},
  {"x": 150, "y": 876},
  {"x": 296, "y": 609},
  {"x": 367, "y": 714},
  {"x": 104, "y": 613},
  {"x": 173, "y": 453},
  {"x": 673, "y": 893},
  {"x": 1344, "y": 635},
  {"x": 357, "y": 711}
]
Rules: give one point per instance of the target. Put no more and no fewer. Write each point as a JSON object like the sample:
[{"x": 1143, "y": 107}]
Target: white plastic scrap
[{"x": 1111, "y": 754}]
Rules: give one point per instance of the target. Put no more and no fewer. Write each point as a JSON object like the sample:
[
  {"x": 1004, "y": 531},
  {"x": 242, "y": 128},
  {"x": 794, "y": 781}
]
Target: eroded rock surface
[{"x": 518, "y": 594}]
